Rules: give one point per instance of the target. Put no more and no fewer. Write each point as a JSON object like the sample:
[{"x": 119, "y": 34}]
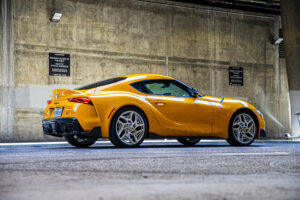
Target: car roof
[
  {"x": 129, "y": 79},
  {"x": 146, "y": 76}
]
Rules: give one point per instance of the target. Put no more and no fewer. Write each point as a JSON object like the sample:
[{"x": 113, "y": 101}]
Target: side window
[
  {"x": 177, "y": 91},
  {"x": 162, "y": 87}
]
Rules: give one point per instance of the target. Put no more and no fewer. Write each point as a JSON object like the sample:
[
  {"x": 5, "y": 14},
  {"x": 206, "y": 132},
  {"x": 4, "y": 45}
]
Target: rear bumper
[{"x": 60, "y": 127}]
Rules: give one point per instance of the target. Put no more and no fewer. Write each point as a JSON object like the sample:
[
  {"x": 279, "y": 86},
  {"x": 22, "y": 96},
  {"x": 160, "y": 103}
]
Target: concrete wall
[
  {"x": 7, "y": 72},
  {"x": 108, "y": 38},
  {"x": 291, "y": 29}
]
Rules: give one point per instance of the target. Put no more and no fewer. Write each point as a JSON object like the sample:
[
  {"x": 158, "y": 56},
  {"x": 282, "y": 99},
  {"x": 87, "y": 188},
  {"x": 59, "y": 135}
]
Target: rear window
[{"x": 101, "y": 83}]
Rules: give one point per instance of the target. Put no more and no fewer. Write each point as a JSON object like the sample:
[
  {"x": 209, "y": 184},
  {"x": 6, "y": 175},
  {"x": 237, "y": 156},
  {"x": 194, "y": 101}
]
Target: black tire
[
  {"x": 232, "y": 140},
  {"x": 115, "y": 138},
  {"x": 188, "y": 141},
  {"x": 81, "y": 142}
]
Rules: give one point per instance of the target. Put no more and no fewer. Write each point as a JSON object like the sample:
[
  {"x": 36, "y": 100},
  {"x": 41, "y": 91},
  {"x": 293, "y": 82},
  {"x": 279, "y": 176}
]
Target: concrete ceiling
[{"x": 260, "y": 6}]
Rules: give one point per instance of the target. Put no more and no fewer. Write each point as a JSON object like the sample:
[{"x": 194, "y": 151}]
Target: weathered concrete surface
[
  {"x": 165, "y": 170},
  {"x": 291, "y": 28},
  {"x": 7, "y": 84},
  {"x": 109, "y": 38}
]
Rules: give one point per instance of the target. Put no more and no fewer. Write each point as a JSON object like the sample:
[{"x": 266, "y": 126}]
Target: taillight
[
  {"x": 83, "y": 100},
  {"x": 49, "y": 101}
]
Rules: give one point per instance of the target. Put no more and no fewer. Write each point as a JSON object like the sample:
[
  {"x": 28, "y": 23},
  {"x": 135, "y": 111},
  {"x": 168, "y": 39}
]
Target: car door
[{"x": 176, "y": 110}]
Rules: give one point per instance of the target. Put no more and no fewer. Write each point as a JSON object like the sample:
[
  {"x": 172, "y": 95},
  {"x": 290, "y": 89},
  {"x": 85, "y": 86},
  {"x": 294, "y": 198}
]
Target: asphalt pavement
[{"x": 158, "y": 170}]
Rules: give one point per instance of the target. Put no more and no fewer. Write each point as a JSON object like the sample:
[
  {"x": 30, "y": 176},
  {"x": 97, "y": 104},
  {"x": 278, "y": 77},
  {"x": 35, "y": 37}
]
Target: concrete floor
[{"x": 157, "y": 170}]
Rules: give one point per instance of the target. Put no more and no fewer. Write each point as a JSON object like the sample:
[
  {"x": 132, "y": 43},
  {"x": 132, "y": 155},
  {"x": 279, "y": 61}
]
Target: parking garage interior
[
  {"x": 201, "y": 43},
  {"x": 193, "y": 41}
]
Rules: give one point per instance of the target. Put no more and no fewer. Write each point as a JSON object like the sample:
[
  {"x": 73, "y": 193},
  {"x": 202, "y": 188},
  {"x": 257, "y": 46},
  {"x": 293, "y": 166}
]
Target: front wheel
[
  {"x": 188, "y": 141},
  {"x": 128, "y": 128},
  {"x": 80, "y": 141},
  {"x": 242, "y": 129}
]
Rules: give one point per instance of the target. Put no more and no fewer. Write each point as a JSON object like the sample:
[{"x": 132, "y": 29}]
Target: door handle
[{"x": 159, "y": 103}]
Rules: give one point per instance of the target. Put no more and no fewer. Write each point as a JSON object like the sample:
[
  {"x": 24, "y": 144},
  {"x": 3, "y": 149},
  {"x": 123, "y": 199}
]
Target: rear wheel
[
  {"x": 80, "y": 141},
  {"x": 188, "y": 141},
  {"x": 128, "y": 128},
  {"x": 243, "y": 129}
]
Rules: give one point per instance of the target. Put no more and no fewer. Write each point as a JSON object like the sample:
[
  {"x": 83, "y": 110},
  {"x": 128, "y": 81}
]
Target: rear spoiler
[{"x": 63, "y": 92}]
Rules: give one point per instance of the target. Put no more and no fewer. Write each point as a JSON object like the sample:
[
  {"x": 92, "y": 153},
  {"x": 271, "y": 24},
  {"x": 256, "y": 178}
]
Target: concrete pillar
[
  {"x": 7, "y": 72},
  {"x": 290, "y": 13}
]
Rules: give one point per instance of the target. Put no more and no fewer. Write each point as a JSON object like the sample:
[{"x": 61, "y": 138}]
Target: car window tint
[
  {"x": 162, "y": 87},
  {"x": 141, "y": 87}
]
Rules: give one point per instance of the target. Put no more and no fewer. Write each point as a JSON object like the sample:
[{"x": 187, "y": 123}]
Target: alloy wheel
[
  {"x": 244, "y": 128},
  {"x": 130, "y": 127}
]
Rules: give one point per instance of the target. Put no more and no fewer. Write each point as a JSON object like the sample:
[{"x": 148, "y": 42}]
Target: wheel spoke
[
  {"x": 241, "y": 119},
  {"x": 122, "y": 133},
  {"x": 238, "y": 134},
  {"x": 246, "y": 136},
  {"x": 134, "y": 138},
  {"x": 135, "y": 120},
  {"x": 131, "y": 114},
  {"x": 241, "y": 137},
  {"x": 130, "y": 139},
  {"x": 139, "y": 125},
  {"x": 251, "y": 132},
  {"x": 124, "y": 118},
  {"x": 138, "y": 132},
  {"x": 124, "y": 136},
  {"x": 251, "y": 128},
  {"x": 250, "y": 123}
]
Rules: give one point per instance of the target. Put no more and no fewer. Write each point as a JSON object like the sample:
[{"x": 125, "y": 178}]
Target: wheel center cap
[{"x": 130, "y": 128}]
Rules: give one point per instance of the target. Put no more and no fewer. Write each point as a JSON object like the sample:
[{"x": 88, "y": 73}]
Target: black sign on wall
[
  {"x": 236, "y": 76},
  {"x": 59, "y": 64}
]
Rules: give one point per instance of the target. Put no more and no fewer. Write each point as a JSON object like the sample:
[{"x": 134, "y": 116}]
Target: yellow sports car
[{"x": 130, "y": 108}]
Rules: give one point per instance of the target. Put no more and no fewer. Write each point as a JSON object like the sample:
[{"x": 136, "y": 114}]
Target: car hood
[{"x": 229, "y": 102}]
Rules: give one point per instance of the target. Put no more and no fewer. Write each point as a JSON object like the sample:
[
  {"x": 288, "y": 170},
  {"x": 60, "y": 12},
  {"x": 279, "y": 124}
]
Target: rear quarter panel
[{"x": 108, "y": 103}]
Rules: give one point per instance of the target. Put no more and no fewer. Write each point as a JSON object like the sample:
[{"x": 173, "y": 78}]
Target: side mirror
[{"x": 195, "y": 92}]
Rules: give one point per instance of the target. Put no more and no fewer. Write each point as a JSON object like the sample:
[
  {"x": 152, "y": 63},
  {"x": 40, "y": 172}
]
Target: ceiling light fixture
[
  {"x": 278, "y": 41},
  {"x": 55, "y": 17}
]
